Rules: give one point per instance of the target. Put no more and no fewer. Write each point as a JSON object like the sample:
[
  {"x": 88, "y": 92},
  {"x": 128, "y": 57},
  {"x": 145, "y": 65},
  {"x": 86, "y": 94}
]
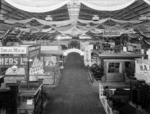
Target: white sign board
[
  {"x": 142, "y": 69},
  {"x": 49, "y": 48},
  {"x": 13, "y": 50}
]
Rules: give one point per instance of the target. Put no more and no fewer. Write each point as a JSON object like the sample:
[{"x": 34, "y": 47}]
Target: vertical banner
[
  {"x": 35, "y": 65},
  {"x": 142, "y": 69},
  {"x": 87, "y": 56}
]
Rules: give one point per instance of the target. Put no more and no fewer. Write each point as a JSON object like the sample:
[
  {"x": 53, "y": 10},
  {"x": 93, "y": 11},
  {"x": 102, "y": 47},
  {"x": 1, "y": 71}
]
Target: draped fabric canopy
[
  {"x": 49, "y": 5},
  {"x": 107, "y": 5},
  {"x": 147, "y": 1},
  {"x": 75, "y": 26},
  {"x": 37, "y": 6},
  {"x": 70, "y": 27},
  {"x": 67, "y": 22}
]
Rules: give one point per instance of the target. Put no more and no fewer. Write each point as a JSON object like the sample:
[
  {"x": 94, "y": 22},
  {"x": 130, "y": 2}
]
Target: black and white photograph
[{"x": 74, "y": 56}]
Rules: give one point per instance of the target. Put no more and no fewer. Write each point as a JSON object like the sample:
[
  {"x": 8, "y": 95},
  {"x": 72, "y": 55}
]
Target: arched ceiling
[{"x": 72, "y": 18}]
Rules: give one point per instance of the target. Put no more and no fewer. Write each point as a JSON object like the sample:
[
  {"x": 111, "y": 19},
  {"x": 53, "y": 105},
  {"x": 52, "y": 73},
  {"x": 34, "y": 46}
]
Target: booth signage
[
  {"x": 31, "y": 48},
  {"x": 34, "y": 53},
  {"x": 111, "y": 33},
  {"x": 36, "y": 67},
  {"x": 142, "y": 69},
  {"x": 13, "y": 50},
  {"x": 9, "y": 61}
]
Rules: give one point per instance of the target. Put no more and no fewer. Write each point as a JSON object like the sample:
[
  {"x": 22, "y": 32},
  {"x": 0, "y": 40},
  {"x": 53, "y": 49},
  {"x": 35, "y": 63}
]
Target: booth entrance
[{"x": 73, "y": 50}]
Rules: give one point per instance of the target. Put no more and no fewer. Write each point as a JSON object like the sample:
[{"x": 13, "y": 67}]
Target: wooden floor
[{"x": 74, "y": 94}]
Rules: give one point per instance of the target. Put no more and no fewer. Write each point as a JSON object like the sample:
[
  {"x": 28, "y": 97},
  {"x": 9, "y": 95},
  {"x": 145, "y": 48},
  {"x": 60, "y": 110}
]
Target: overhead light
[
  {"x": 95, "y": 18},
  {"x": 48, "y": 18}
]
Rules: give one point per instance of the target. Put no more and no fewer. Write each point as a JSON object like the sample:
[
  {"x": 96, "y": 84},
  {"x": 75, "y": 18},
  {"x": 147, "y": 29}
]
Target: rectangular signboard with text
[
  {"x": 13, "y": 50},
  {"x": 6, "y": 61}
]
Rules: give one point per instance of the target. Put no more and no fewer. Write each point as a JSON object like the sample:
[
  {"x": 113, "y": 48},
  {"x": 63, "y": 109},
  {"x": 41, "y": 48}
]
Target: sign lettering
[
  {"x": 13, "y": 50},
  {"x": 9, "y": 61}
]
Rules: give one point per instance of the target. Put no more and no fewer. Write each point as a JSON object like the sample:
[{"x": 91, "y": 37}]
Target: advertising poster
[{"x": 142, "y": 69}]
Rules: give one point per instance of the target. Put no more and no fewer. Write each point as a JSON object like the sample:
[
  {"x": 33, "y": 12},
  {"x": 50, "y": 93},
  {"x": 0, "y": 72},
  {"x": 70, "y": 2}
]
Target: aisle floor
[{"x": 74, "y": 94}]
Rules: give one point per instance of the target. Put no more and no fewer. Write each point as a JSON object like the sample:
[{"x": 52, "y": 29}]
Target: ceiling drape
[
  {"x": 147, "y": 1},
  {"x": 50, "y": 5},
  {"x": 107, "y": 5},
  {"x": 37, "y": 6}
]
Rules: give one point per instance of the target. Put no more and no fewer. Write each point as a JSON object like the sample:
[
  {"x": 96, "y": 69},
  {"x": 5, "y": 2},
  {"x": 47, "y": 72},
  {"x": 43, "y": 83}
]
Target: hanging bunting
[
  {"x": 6, "y": 33},
  {"x": 143, "y": 30},
  {"x": 43, "y": 22},
  {"x": 147, "y": 42}
]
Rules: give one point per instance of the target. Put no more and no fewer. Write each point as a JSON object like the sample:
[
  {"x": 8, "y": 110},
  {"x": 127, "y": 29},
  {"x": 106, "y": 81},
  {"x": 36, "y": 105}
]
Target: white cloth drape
[
  {"x": 107, "y": 19},
  {"x": 147, "y": 1},
  {"x": 37, "y": 6},
  {"x": 107, "y": 5},
  {"x": 44, "y": 22}
]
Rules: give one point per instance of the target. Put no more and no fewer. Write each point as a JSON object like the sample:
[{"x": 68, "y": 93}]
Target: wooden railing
[{"x": 104, "y": 101}]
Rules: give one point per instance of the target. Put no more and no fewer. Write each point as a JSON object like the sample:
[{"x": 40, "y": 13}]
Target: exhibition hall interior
[{"x": 74, "y": 56}]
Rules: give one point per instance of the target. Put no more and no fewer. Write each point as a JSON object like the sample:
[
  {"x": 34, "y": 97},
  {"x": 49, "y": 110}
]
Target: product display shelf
[{"x": 30, "y": 100}]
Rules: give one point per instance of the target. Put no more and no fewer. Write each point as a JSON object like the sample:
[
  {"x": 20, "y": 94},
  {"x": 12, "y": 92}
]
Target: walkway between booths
[{"x": 74, "y": 94}]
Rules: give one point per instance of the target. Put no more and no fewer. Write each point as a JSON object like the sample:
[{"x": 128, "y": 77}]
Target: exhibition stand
[{"x": 25, "y": 93}]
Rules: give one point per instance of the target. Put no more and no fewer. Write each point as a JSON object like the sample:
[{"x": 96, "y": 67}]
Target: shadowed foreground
[{"x": 74, "y": 93}]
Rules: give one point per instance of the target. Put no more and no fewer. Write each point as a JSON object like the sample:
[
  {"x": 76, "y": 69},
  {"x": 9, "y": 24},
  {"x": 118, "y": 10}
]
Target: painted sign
[
  {"x": 34, "y": 51},
  {"x": 142, "y": 69},
  {"x": 31, "y": 48},
  {"x": 36, "y": 67},
  {"x": 50, "y": 61},
  {"x": 6, "y": 61},
  {"x": 13, "y": 50}
]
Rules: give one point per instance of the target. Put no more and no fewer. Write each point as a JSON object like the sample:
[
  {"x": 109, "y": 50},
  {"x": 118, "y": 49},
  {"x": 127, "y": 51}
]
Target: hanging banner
[
  {"x": 87, "y": 56},
  {"x": 142, "y": 69}
]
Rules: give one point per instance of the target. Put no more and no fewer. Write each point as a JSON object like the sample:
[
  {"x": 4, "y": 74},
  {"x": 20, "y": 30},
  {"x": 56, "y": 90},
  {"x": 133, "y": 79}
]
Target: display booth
[
  {"x": 25, "y": 92},
  {"x": 115, "y": 65},
  {"x": 52, "y": 63}
]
